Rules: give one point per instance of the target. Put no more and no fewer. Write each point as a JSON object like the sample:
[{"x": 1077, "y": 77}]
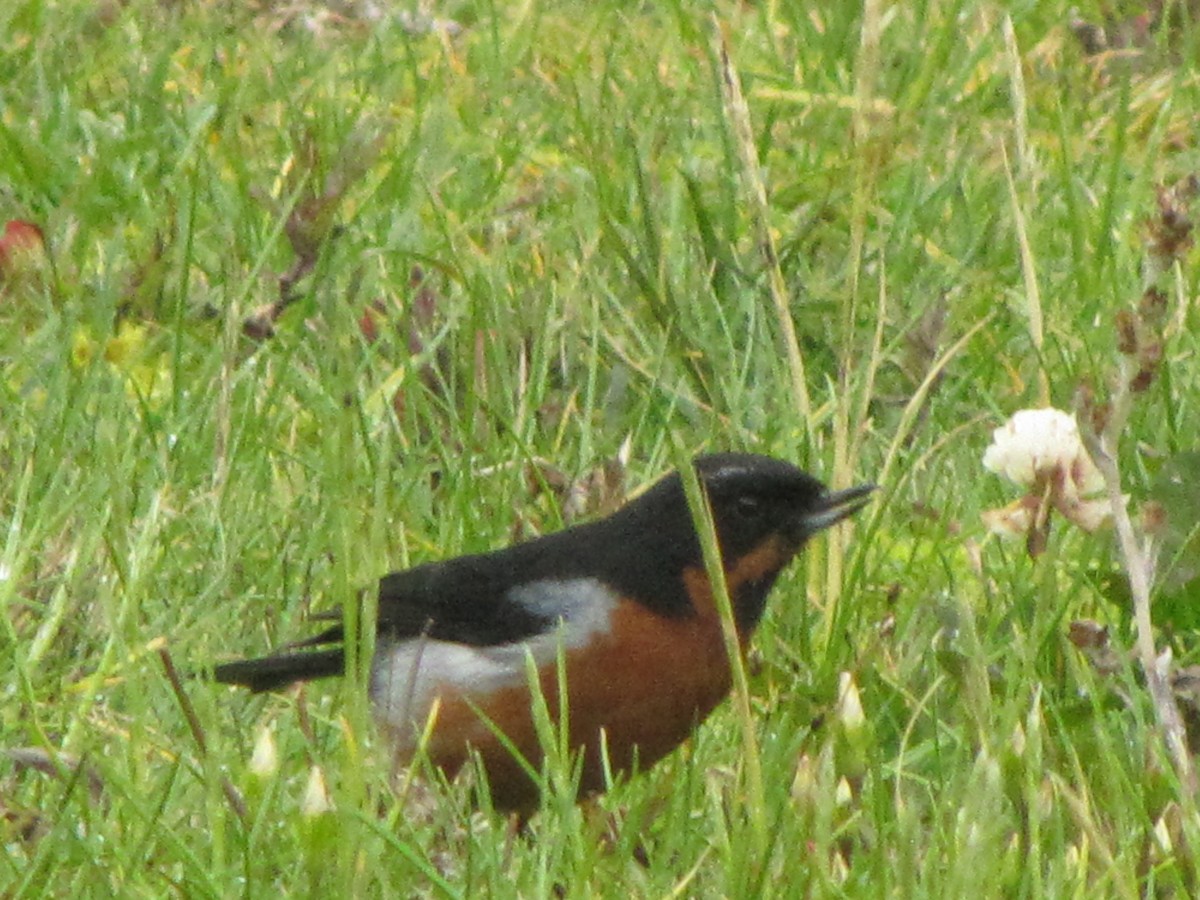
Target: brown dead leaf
[{"x": 1092, "y": 640}]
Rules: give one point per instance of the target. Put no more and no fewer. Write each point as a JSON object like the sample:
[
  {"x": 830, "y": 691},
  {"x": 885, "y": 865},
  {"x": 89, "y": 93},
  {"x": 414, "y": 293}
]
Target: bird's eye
[{"x": 748, "y": 507}]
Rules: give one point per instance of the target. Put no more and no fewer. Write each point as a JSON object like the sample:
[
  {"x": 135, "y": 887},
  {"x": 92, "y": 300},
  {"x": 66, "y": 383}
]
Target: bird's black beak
[{"x": 833, "y": 506}]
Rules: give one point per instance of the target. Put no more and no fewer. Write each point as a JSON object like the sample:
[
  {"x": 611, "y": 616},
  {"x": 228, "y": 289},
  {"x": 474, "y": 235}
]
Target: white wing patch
[{"x": 407, "y": 676}]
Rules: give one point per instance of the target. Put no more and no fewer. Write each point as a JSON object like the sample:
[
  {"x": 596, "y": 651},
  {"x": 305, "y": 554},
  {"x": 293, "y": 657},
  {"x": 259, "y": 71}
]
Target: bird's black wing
[{"x": 464, "y": 600}]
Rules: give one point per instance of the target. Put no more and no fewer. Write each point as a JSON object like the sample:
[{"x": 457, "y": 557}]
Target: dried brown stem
[
  {"x": 232, "y": 795},
  {"x": 1139, "y": 563},
  {"x": 738, "y": 114}
]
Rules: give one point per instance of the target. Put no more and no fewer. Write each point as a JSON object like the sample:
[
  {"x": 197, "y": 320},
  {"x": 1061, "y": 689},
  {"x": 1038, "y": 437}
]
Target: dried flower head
[
  {"x": 1127, "y": 336},
  {"x": 1153, "y": 307},
  {"x": 1170, "y": 232}
]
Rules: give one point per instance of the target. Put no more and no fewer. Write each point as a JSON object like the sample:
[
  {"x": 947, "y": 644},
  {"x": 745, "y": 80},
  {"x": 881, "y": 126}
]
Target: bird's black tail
[{"x": 271, "y": 672}]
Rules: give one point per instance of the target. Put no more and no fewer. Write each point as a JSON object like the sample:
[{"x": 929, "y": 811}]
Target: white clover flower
[
  {"x": 1037, "y": 445},
  {"x": 1040, "y": 450}
]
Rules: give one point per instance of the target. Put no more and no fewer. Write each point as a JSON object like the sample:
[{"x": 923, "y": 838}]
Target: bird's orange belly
[{"x": 633, "y": 695}]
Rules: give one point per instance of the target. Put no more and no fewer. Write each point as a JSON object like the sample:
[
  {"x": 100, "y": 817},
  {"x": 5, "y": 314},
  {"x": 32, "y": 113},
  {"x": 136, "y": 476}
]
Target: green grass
[{"x": 569, "y": 179}]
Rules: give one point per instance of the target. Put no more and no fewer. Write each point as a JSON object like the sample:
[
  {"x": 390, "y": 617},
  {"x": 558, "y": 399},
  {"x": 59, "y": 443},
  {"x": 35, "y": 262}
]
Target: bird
[{"x": 622, "y": 605}]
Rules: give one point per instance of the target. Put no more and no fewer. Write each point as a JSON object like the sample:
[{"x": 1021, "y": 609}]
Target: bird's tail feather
[{"x": 271, "y": 672}]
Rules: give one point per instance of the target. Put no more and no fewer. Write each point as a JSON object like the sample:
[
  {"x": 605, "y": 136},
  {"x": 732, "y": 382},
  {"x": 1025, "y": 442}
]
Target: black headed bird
[{"x": 627, "y": 602}]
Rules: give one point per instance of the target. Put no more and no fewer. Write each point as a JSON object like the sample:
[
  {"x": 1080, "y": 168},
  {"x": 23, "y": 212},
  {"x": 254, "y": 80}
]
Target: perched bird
[{"x": 627, "y": 603}]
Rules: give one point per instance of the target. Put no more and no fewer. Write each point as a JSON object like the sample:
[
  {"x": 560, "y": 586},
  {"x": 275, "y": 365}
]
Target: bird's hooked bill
[{"x": 833, "y": 506}]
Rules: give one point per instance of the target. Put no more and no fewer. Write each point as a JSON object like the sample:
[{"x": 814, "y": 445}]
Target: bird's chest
[{"x": 647, "y": 687}]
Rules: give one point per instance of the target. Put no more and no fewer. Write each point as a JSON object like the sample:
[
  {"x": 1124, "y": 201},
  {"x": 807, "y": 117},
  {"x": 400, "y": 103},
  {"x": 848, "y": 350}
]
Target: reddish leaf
[
  {"x": 374, "y": 315},
  {"x": 21, "y": 239}
]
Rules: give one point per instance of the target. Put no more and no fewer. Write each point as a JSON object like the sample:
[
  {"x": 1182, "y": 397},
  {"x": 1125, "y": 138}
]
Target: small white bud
[
  {"x": 316, "y": 800},
  {"x": 843, "y": 794},
  {"x": 850, "y": 705},
  {"x": 264, "y": 761}
]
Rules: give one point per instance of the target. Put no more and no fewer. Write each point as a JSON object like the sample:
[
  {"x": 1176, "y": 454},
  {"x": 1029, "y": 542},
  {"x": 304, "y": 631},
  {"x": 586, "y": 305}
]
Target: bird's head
[
  {"x": 756, "y": 499},
  {"x": 763, "y": 511}
]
